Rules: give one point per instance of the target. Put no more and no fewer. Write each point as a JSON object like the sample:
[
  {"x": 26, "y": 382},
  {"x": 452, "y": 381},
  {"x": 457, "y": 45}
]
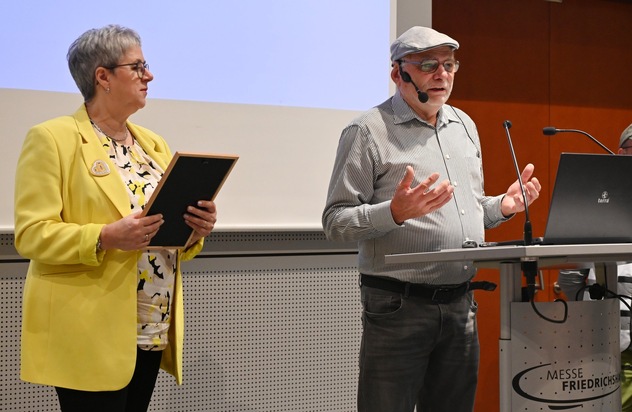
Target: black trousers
[{"x": 134, "y": 397}]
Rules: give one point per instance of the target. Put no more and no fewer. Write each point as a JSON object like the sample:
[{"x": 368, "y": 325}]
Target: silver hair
[{"x": 101, "y": 47}]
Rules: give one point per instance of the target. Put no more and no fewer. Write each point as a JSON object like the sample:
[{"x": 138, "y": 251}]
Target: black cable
[
  {"x": 530, "y": 272},
  {"x": 598, "y": 292},
  {"x": 627, "y": 305},
  {"x": 551, "y": 319}
]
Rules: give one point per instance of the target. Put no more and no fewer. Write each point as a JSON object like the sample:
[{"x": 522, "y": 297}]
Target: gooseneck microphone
[
  {"x": 528, "y": 233},
  {"x": 550, "y": 131},
  {"x": 529, "y": 267},
  {"x": 422, "y": 96}
]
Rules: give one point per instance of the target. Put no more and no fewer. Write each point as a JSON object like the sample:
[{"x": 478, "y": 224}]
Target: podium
[{"x": 545, "y": 365}]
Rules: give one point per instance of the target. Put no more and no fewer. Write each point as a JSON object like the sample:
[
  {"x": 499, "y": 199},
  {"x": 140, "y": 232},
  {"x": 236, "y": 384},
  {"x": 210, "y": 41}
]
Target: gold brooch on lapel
[{"x": 100, "y": 168}]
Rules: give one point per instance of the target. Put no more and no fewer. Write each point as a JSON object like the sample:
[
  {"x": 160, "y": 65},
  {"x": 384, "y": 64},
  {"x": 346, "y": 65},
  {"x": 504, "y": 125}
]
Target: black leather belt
[{"x": 438, "y": 294}]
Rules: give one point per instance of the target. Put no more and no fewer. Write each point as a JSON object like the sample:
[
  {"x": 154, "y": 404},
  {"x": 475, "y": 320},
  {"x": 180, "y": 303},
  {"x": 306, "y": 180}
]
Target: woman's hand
[
  {"x": 201, "y": 219},
  {"x": 131, "y": 232}
]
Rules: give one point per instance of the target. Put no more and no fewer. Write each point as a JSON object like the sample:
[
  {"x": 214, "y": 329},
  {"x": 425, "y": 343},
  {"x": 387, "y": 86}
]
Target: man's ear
[{"x": 395, "y": 75}]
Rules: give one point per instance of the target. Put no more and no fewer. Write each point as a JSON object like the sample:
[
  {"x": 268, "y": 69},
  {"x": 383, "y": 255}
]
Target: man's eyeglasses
[
  {"x": 138, "y": 67},
  {"x": 431, "y": 65}
]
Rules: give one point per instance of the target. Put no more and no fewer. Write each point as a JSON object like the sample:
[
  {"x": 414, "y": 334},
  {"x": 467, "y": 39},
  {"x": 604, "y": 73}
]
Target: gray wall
[{"x": 272, "y": 324}]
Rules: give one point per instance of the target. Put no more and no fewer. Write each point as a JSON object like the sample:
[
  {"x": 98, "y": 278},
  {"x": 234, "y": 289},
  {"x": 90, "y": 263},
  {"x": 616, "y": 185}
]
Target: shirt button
[
  {"x": 455, "y": 184},
  {"x": 465, "y": 267},
  {"x": 447, "y": 156},
  {"x": 462, "y": 211}
]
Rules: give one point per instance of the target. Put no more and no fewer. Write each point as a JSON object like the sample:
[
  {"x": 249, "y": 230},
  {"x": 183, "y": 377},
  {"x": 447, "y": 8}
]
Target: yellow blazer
[{"x": 79, "y": 306}]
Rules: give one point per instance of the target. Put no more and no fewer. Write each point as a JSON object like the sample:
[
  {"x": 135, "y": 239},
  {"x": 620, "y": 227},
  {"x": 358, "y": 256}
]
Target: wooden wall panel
[
  {"x": 537, "y": 64},
  {"x": 497, "y": 82}
]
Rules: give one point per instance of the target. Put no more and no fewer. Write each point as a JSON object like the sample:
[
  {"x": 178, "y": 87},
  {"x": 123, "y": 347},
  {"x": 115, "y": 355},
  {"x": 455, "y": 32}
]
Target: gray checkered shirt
[{"x": 372, "y": 156}]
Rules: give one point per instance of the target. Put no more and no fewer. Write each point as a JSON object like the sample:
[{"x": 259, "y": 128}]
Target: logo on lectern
[{"x": 566, "y": 388}]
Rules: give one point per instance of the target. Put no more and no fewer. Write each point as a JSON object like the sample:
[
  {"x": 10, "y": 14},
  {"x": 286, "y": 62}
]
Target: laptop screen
[{"x": 591, "y": 201}]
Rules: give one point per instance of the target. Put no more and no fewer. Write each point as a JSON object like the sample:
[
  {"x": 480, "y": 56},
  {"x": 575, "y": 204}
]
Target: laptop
[{"x": 591, "y": 201}]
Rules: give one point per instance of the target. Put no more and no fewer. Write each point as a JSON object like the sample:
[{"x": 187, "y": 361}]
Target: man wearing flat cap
[
  {"x": 625, "y": 144},
  {"x": 572, "y": 281},
  {"x": 408, "y": 178},
  {"x": 624, "y": 288}
]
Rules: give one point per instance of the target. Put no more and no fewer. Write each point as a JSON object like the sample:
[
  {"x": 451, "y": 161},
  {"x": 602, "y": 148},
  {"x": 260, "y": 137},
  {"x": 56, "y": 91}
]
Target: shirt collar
[{"x": 402, "y": 113}]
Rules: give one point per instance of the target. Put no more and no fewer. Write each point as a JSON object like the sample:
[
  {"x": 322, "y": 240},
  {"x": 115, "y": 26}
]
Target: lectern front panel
[{"x": 563, "y": 366}]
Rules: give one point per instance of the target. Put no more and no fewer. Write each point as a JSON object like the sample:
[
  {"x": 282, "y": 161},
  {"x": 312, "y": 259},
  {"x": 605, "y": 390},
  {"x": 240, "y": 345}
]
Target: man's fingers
[
  {"x": 527, "y": 172},
  {"x": 407, "y": 180},
  {"x": 426, "y": 185},
  {"x": 536, "y": 184}
]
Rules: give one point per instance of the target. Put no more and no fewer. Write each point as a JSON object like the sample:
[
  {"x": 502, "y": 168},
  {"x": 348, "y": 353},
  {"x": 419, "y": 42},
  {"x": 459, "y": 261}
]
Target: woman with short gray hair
[{"x": 101, "y": 312}]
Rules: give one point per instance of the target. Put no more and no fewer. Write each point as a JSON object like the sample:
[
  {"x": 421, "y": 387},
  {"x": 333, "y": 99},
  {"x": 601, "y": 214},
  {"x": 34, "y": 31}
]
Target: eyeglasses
[
  {"x": 138, "y": 67},
  {"x": 431, "y": 65}
]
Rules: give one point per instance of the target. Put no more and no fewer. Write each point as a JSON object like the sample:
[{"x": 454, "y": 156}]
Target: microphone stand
[
  {"x": 528, "y": 266},
  {"x": 528, "y": 232}
]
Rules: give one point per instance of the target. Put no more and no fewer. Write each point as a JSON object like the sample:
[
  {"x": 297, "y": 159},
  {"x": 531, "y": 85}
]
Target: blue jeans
[{"x": 416, "y": 352}]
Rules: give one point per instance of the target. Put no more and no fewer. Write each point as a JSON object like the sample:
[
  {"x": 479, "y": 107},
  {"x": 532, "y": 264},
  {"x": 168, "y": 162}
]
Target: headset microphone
[{"x": 422, "y": 96}]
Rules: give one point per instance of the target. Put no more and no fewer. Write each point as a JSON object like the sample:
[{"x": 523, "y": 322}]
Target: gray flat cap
[
  {"x": 627, "y": 134},
  {"x": 418, "y": 39}
]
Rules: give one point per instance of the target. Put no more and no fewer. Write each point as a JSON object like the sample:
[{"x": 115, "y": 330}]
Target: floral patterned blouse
[{"x": 156, "y": 268}]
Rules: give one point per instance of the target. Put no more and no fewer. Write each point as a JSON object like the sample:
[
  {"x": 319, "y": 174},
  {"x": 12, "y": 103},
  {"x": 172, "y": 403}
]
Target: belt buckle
[{"x": 442, "y": 295}]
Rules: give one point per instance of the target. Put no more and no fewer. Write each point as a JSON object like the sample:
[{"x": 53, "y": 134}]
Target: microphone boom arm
[{"x": 549, "y": 131}]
